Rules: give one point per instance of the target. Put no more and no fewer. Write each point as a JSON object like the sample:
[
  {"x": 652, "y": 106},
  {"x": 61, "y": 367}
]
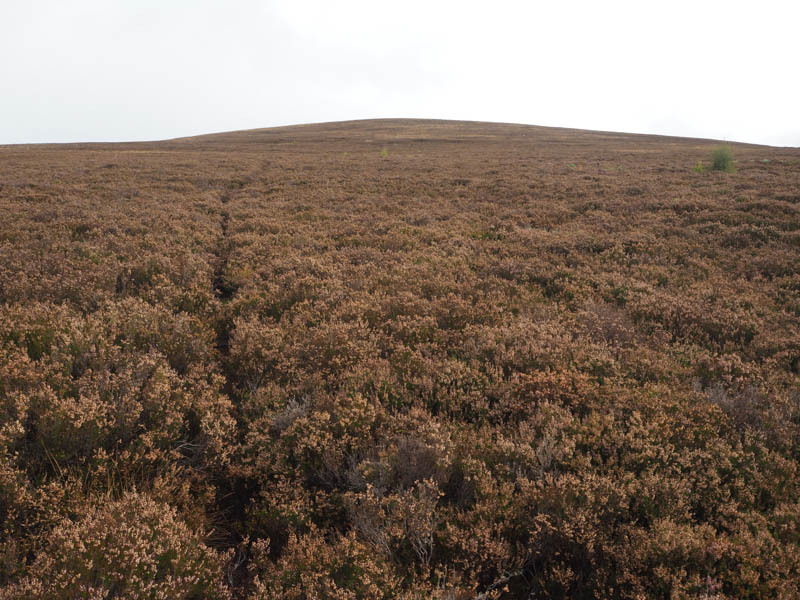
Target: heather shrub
[
  {"x": 145, "y": 413},
  {"x": 15, "y": 516},
  {"x": 129, "y": 548},
  {"x": 312, "y": 566},
  {"x": 255, "y": 353}
]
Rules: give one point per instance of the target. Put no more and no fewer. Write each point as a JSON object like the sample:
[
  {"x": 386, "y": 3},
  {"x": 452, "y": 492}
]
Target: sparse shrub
[
  {"x": 722, "y": 159},
  {"x": 399, "y": 525}
]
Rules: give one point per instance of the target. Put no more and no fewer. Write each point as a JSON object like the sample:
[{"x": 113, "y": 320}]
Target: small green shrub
[
  {"x": 722, "y": 159},
  {"x": 699, "y": 168}
]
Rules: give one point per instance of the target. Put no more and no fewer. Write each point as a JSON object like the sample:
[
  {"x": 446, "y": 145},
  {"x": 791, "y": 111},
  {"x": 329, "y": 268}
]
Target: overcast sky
[{"x": 108, "y": 70}]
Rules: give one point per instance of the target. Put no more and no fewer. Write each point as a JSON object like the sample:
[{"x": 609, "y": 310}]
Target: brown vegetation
[{"x": 399, "y": 359}]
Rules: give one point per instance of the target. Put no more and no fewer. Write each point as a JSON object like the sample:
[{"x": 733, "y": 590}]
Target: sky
[{"x": 124, "y": 70}]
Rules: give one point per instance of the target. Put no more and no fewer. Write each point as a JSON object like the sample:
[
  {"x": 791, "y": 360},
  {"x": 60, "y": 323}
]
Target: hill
[{"x": 400, "y": 359}]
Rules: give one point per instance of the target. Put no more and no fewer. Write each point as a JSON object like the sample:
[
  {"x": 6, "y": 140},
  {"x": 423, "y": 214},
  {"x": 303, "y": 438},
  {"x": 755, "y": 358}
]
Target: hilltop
[{"x": 399, "y": 359}]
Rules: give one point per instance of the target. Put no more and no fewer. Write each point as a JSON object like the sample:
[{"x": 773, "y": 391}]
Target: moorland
[{"x": 399, "y": 359}]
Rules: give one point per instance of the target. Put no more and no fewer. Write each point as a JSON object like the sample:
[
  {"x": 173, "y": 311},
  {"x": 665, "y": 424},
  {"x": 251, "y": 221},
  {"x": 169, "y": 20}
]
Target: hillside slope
[{"x": 399, "y": 359}]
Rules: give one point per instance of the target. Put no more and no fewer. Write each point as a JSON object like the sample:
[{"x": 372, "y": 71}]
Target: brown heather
[{"x": 491, "y": 361}]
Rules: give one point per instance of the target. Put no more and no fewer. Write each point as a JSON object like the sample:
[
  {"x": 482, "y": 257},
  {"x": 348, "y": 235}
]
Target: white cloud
[{"x": 124, "y": 70}]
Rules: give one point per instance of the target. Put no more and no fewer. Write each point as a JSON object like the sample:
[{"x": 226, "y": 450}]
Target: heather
[{"x": 399, "y": 359}]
